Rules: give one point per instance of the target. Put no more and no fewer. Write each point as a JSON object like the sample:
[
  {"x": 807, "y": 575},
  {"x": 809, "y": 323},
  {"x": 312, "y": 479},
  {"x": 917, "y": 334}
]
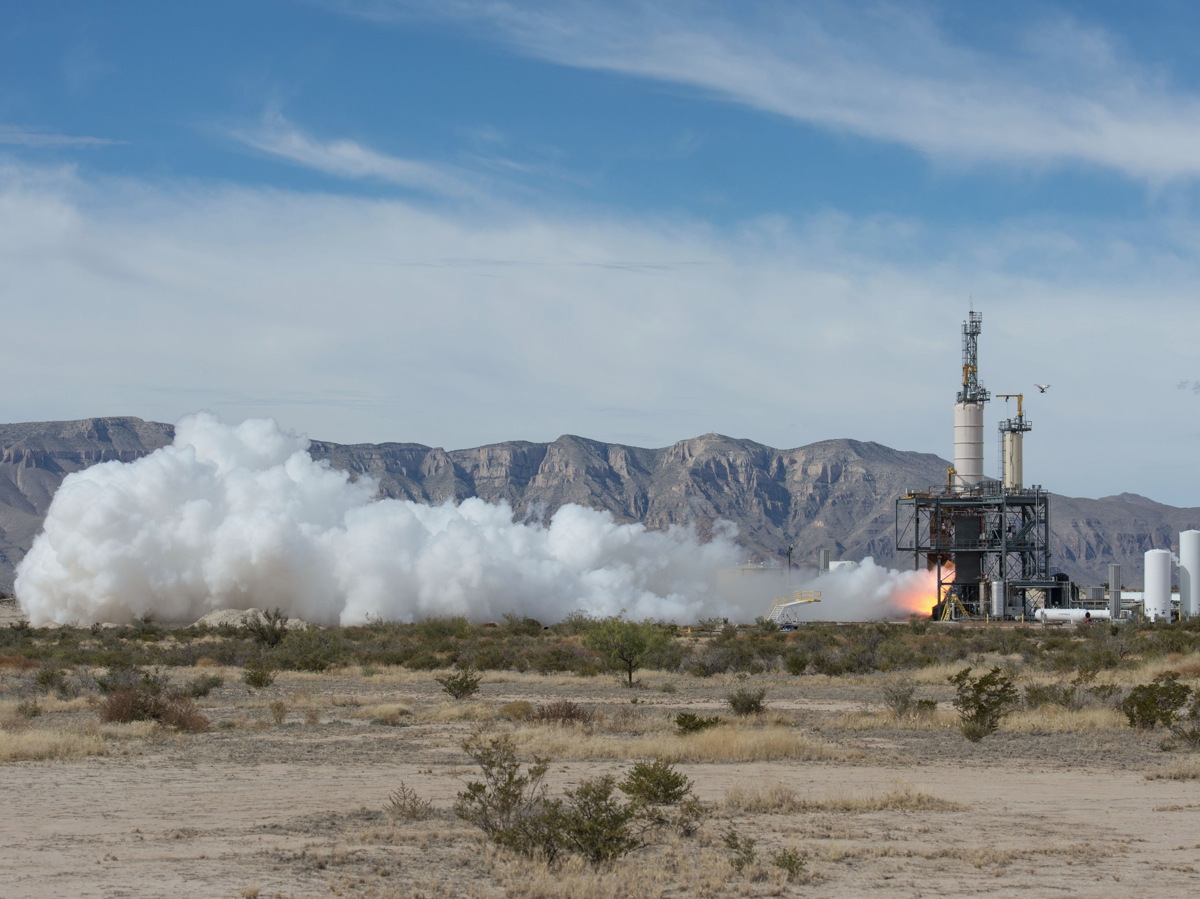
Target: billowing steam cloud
[{"x": 240, "y": 517}]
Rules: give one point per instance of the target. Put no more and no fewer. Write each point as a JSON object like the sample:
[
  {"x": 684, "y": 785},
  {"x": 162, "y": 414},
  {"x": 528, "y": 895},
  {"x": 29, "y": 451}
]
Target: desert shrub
[
  {"x": 267, "y": 628},
  {"x": 204, "y": 684},
  {"x": 791, "y": 862},
  {"x": 279, "y": 710},
  {"x": 517, "y": 626},
  {"x": 1186, "y": 725},
  {"x": 424, "y": 660},
  {"x": 983, "y": 702},
  {"x": 311, "y": 649},
  {"x": 122, "y": 676},
  {"x": 593, "y": 822},
  {"x": 688, "y": 723},
  {"x": 741, "y": 850},
  {"x": 152, "y": 701},
  {"x": 406, "y": 805},
  {"x": 55, "y": 680},
  {"x": 1068, "y": 696},
  {"x": 795, "y": 663},
  {"x": 259, "y": 674},
  {"x": 744, "y": 701},
  {"x": 518, "y": 710},
  {"x": 461, "y": 685},
  {"x": 562, "y": 711},
  {"x": 28, "y": 708},
  {"x": 509, "y": 805},
  {"x": 900, "y": 698},
  {"x": 656, "y": 783},
  {"x": 1159, "y": 702}
]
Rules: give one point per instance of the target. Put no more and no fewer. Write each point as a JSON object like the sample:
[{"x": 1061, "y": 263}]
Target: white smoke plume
[
  {"x": 241, "y": 517},
  {"x": 861, "y": 592}
]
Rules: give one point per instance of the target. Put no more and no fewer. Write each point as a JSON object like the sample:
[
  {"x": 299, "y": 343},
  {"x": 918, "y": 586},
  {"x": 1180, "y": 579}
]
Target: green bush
[
  {"x": 267, "y": 628},
  {"x": 744, "y": 701},
  {"x": 741, "y": 850},
  {"x": 655, "y": 783},
  {"x": 983, "y": 702},
  {"x": 259, "y": 674},
  {"x": 1159, "y": 702},
  {"x": 203, "y": 685},
  {"x": 792, "y": 863},
  {"x": 462, "y": 685},
  {"x": 795, "y": 663},
  {"x": 310, "y": 649},
  {"x": 688, "y": 723}
]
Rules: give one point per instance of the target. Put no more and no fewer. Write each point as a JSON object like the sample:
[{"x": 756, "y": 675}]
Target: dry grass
[
  {"x": 1052, "y": 719},
  {"x": 47, "y": 703},
  {"x": 49, "y": 745},
  {"x": 1188, "y": 769},
  {"x": 780, "y": 799},
  {"x": 683, "y": 869},
  {"x": 976, "y": 856},
  {"x": 721, "y": 744},
  {"x": 942, "y": 719},
  {"x": 451, "y": 712},
  {"x": 391, "y": 711}
]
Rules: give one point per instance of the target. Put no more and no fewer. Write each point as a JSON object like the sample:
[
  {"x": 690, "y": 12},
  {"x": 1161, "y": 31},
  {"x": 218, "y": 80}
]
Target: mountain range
[{"x": 836, "y": 494}]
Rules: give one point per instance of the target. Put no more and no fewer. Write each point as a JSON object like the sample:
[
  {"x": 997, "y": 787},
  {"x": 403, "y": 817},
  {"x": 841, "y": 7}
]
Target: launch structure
[{"x": 988, "y": 540}]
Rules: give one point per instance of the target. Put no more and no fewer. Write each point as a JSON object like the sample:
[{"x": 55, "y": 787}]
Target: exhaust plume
[{"x": 242, "y": 516}]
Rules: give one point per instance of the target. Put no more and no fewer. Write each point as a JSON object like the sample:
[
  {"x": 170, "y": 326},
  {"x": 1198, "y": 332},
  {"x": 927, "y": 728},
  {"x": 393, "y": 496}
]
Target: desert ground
[{"x": 287, "y": 791}]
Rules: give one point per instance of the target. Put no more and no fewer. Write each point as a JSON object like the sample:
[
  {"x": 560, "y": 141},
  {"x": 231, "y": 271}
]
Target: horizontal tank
[{"x": 1066, "y": 616}]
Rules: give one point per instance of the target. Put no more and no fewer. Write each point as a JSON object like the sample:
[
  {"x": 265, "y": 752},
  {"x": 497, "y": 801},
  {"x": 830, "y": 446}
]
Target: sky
[{"x": 464, "y": 222}]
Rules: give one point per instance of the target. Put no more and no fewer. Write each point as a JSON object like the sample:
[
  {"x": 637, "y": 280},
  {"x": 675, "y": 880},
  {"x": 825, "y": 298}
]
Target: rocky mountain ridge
[{"x": 835, "y": 494}]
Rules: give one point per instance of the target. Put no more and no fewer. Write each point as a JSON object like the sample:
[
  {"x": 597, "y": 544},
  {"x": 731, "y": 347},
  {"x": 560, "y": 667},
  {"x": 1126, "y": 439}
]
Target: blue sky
[{"x": 464, "y": 222}]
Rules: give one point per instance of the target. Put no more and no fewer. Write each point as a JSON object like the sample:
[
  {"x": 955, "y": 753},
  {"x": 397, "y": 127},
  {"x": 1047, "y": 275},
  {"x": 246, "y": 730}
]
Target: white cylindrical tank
[
  {"x": 1014, "y": 463},
  {"x": 1157, "y": 600},
  {"x": 968, "y": 443},
  {"x": 1050, "y": 616},
  {"x": 1189, "y": 574},
  {"x": 998, "y": 599}
]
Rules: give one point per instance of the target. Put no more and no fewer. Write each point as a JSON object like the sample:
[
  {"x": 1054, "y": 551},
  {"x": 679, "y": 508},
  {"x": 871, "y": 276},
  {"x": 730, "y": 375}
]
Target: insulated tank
[
  {"x": 968, "y": 443},
  {"x": 998, "y": 599},
  {"x": 1189, "y": 574},
  {"x": 1014, "y": 462},
  {"x": 1157, "y": 599},
  {"x": 1050, "y": 616}
]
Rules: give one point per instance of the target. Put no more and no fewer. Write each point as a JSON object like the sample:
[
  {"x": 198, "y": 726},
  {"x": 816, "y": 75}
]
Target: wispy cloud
[
  {"x": 20, "y": 136},
  {"x": 277, "y": 136},
  {"x": 1061, "y": 92}
]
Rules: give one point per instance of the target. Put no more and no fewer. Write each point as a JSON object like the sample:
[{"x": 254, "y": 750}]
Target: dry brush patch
[
  {"x": 51, "y": 744},
  {"x": 728, "y": 743},
  {"x": 1188, "y": 769},
  {"x": 780, "y": 799}
]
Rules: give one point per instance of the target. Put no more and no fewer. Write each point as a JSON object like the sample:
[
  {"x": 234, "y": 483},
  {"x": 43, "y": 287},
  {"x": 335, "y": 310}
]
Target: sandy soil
[{"x": 252, "y": 807}]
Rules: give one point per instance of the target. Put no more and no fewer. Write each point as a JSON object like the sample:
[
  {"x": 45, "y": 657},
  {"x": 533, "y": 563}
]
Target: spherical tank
[{"x": 1157, "y": 600}]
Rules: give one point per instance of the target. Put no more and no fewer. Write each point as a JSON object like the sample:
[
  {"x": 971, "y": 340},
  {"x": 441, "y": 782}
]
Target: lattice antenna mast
[{"x": 972, "y": 391}]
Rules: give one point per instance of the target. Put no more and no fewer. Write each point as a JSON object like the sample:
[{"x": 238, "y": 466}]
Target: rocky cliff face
[{"x": 836, "y": 494}]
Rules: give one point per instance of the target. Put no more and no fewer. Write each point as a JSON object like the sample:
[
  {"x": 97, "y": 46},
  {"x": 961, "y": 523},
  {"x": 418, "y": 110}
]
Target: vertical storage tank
[
  {"x": 968, "y": 443},
  {"x": 1189, "y": 574},
  {"x": 1157, "y": 601}
]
